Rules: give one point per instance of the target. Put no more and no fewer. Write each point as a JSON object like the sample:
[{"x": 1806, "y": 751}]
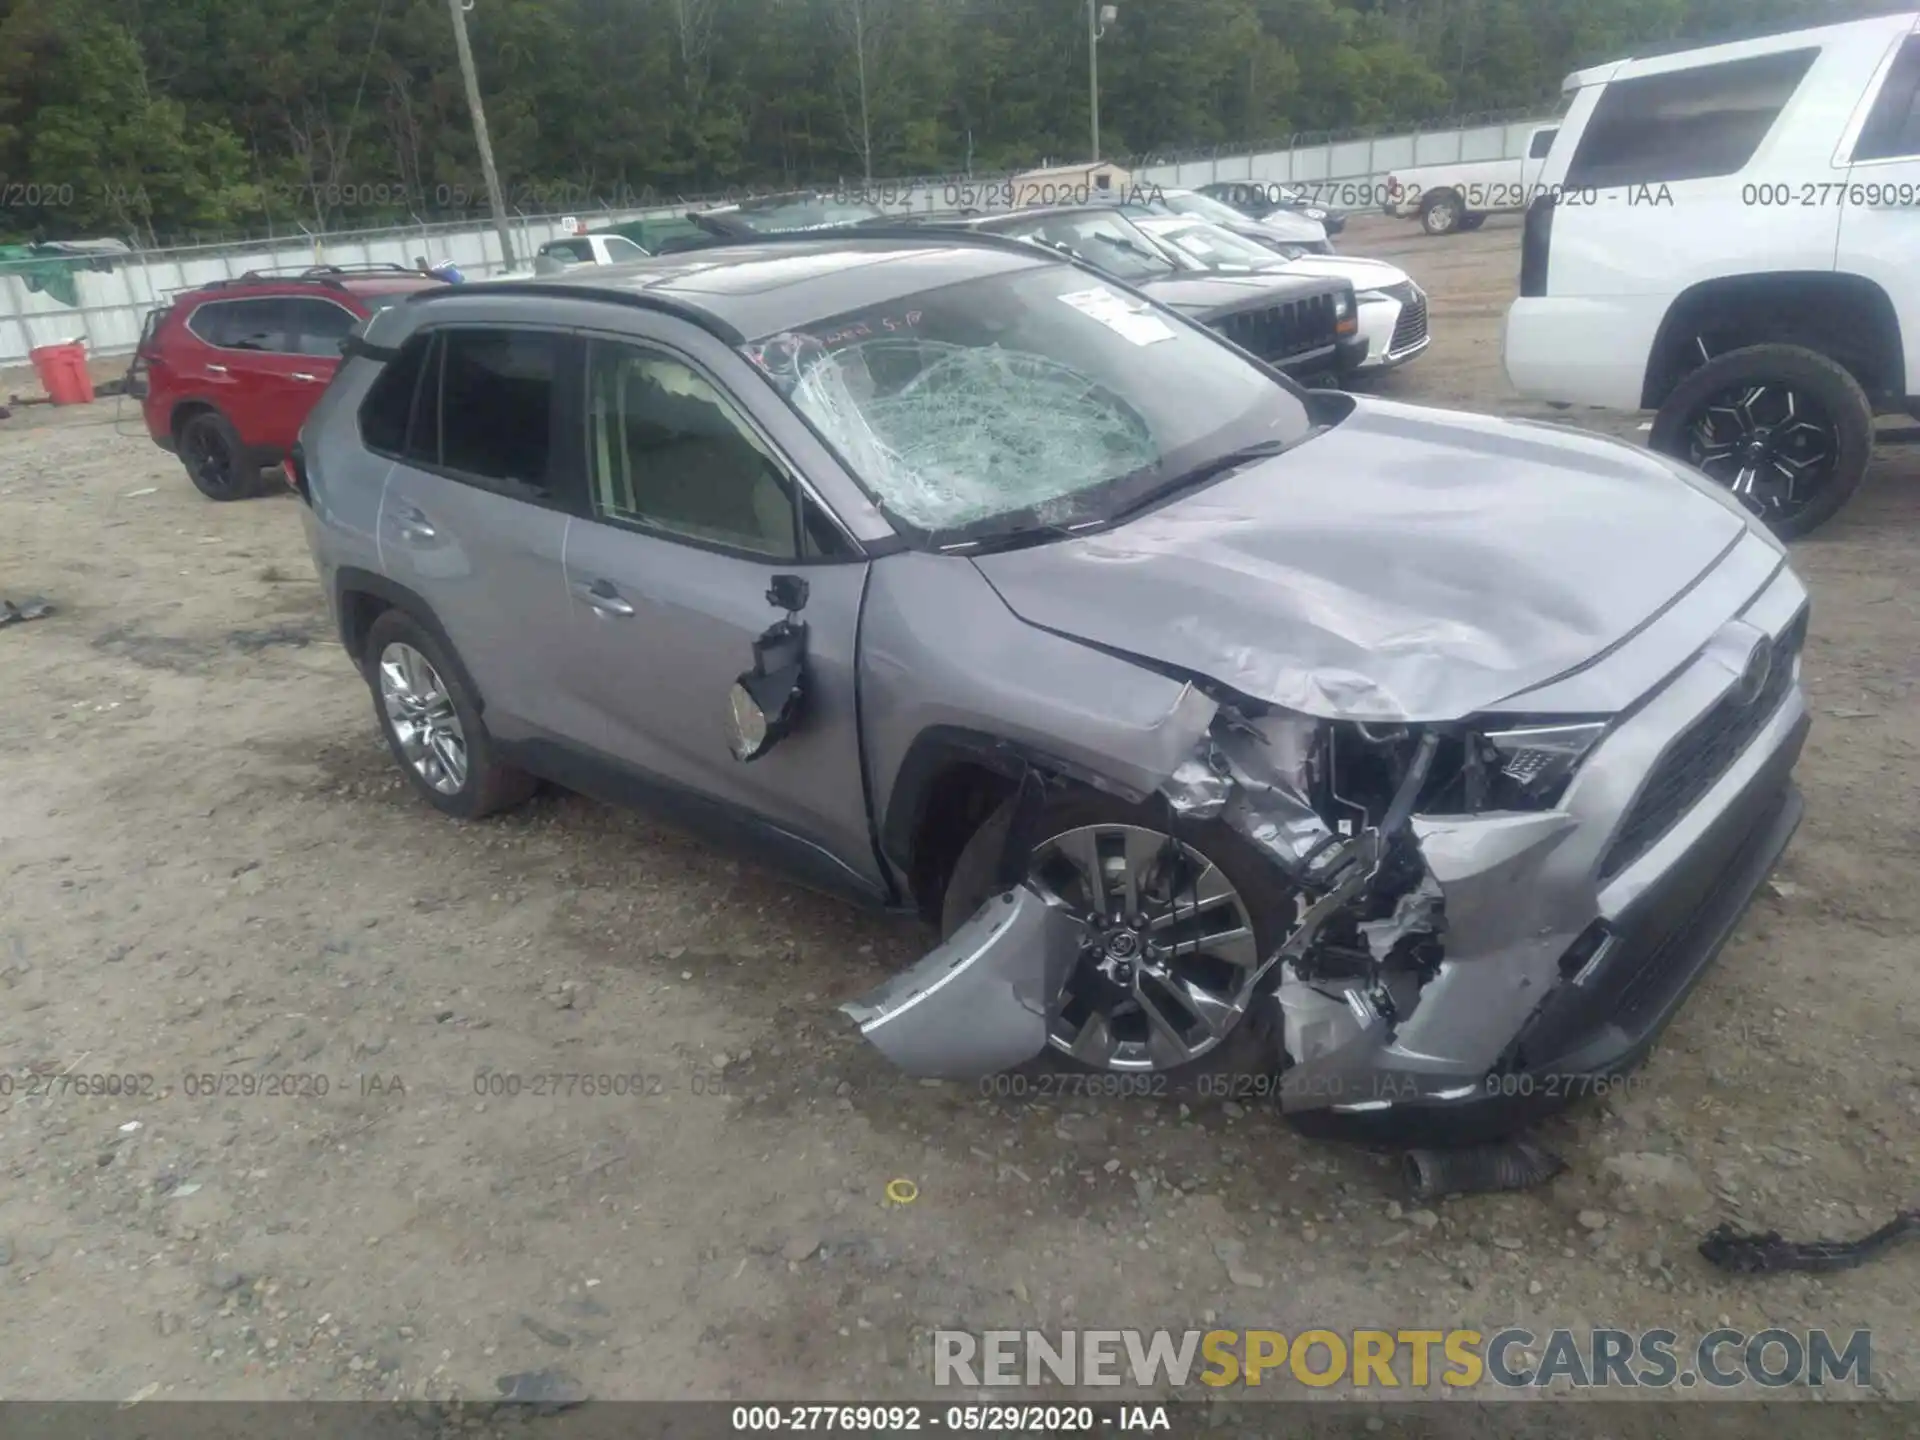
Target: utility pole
[
  {"x": 1098, "y": 18},
  {"x": 485, "y": 146}
]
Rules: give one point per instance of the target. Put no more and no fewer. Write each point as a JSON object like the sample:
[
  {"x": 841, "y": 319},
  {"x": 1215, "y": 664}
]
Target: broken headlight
[{"x": 1530, "y": 766}]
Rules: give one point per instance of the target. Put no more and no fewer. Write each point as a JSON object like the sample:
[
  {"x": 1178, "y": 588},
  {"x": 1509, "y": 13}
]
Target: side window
[
  {"x": 1685, "y": 124},
  {"x": 1541, "y": 143},
  {"x": 318, "y": 327},
  {"x": 497, "y": 393},
  {"x": 389, "y": 405},
  {"x": 570, "y": 250},
  {"x": 668, "y": 450},
  {"x": 242, "y": 324},
  {"x": 1893, "y": 126}
]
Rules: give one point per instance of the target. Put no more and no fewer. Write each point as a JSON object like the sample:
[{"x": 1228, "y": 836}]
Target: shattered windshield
[{"x": 1031, "y": 399}]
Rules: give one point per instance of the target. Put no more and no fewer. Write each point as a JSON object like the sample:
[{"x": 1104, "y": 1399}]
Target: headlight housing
[{"x": 1532, "y": 764}]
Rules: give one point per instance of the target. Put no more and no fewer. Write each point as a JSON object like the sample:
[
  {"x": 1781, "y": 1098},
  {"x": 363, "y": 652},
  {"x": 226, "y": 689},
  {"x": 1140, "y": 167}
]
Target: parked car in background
[
  {"x": 1729, "y": 236},
  {"x": 603, "y": 248},
  {"x": 786, "y": 214},
  {"x": 651, "y": 232},
  {"x": 1257, "y": 199},
  {"x": 1393, "y": 310},
  {"x": 1280, "y": 230},
  {"x": 1417, "y": 759},
  {"x": 1462, "y": 195},
  {"x": 230, "y": 369},
  {"x": 1306, "y": 325}
]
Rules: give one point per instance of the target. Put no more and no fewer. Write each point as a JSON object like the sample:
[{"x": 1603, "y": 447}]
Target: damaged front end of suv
[{"x": 1490, "y": 916}]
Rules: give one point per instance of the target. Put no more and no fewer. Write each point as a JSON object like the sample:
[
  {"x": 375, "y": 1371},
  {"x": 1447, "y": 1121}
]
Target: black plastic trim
[{"x": 352, "y": 580}]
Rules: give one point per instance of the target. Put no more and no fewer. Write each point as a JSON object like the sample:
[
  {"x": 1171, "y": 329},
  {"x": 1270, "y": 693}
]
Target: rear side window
[
  {"x": 318, "y": 327},
  {"x": 242, "y": 324},
  {"x": 385, "y": 413},
  {"x": 497, "y": 391},
  {"x": 1686, "y": 124},
  {"x": 1892, "y": 130}
]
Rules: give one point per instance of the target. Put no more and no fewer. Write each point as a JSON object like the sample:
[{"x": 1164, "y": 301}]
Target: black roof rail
[{"x": 638, "y": 299}]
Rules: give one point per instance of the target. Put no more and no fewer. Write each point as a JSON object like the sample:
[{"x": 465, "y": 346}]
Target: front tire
[
  {"x": 432, "y": 723},
  {"x": 1786, "y": 429},
  {"x": 1181, "y": 1008}
]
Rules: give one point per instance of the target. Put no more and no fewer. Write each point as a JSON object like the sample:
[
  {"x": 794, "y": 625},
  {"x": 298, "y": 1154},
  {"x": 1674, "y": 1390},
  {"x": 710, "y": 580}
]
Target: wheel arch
[
  {"x": 951, "y": 779},
  {"x": 362, "y": 597},
  {"x": 1848, "y": 318},
  {"x": 185, "y": 409}
]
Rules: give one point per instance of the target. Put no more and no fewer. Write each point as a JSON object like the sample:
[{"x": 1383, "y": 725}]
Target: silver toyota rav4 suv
[{"x": 1418, "y": 761}]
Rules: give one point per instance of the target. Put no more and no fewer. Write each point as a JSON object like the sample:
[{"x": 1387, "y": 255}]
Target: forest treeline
[{"x": 168, "y": 119}]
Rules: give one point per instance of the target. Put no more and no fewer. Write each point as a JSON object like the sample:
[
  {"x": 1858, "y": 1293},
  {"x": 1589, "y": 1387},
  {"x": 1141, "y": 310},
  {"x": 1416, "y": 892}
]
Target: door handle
[
  {"x": 216, "y": 369},
  {"x": 302, "y": 375},
  {"x": 601, "y": 595},
  {"x": 413, "y": 525}
]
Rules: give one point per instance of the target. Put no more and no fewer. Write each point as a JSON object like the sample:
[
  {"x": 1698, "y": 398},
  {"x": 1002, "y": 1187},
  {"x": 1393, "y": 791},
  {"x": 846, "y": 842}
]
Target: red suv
[{"x": 228, "y": 371}]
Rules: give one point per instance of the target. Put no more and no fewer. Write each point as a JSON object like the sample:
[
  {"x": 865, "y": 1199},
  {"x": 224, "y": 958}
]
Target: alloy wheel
[
  {"x": 423, "y": 718},
  {"x": 1441, "y": 218},
  {"x": 1167, "y": 956},
  {"x": 1772, "y": 445}
]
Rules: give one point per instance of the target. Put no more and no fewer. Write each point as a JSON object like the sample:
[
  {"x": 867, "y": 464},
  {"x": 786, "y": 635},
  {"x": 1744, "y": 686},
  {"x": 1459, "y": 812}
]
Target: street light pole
[
  {"x": 494, "y": 199},
  {"x": 1098, "y": 18},
  {"x": 1093, "y": 74}
]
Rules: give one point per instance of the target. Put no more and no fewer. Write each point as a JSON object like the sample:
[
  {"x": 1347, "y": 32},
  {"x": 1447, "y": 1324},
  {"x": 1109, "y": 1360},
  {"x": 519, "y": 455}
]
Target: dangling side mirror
[{"x": 766, "y": 701}]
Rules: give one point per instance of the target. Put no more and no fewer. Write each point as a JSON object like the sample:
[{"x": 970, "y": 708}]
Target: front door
[{"x": 692, "y": 516}]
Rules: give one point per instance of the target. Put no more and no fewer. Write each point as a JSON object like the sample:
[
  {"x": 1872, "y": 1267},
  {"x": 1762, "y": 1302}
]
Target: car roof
[{"x": 761, "y": 288}]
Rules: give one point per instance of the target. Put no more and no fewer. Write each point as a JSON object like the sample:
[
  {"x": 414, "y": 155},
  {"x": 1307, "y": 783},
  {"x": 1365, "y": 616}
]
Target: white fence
[{"x": 113, "y": 304}]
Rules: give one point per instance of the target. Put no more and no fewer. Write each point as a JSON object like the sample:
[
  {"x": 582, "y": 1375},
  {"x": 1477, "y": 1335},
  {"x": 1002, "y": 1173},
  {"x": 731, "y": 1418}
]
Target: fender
[
  {"x": 350, "y": 580},
  {"x": 940, "y": 747}
]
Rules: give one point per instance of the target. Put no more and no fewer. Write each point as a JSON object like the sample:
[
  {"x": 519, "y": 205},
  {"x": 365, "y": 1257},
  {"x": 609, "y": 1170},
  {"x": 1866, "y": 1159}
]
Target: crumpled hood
[{"x": 1408, "y": 564}]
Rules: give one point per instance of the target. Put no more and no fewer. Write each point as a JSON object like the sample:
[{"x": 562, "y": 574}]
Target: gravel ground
[{"x": 211, "y": 869}]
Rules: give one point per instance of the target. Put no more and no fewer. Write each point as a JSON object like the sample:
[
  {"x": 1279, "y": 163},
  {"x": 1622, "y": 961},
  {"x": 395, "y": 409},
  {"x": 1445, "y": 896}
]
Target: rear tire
[
  {"x": 1756, "y": 419},
  {"x": 1239, "y": 1063},
  {"x": 432, "y": 723},
  {"x": 1441, "y": 212},
  {"x": 215, "y": 459}
]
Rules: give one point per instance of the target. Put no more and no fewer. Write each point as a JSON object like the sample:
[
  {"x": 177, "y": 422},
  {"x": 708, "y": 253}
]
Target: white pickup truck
[{"x": 1462, "y": 195}]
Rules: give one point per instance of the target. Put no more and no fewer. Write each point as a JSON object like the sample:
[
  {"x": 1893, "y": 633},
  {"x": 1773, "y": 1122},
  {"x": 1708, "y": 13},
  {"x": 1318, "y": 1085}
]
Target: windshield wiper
[
  {"x": 1205, "y": 471},
  {"x": 1017, "y": 536}
]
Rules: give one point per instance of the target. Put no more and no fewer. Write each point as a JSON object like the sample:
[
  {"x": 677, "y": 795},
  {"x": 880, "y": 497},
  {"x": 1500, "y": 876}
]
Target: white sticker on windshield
[{"x": 1120, "y": 315}]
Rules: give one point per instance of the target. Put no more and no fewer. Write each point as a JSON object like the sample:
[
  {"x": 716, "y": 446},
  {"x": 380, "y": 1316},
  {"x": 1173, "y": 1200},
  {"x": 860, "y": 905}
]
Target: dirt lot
[{"x": 212, "y": 869}]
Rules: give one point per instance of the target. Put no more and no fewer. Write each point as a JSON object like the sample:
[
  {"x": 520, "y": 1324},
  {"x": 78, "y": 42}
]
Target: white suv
[{"x": 1730, "y": 236}]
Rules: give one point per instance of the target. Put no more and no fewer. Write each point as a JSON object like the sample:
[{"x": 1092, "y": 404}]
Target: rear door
[
  {"x": 315, "y": 328},
  {"x": 245, "y": 365},
  {"x": 475, "y": 513},
  {"x": 693, "y": 514},
  {"x": 1880, "y": 223}
]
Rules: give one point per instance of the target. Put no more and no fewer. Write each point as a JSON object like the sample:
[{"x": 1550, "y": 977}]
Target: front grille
[
  {"x": 1278, "y": 333},
  {"x": 1701, "y": 756},
  {"x": 1411, "y": 328}
]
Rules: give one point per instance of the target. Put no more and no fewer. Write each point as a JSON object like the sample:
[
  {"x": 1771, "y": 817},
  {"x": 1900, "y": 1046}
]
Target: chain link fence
[{"x": 1340, "y": 168}]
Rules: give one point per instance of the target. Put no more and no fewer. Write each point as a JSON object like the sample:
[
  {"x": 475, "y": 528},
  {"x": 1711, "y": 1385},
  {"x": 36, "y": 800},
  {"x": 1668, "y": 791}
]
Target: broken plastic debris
[
  {"x": 129, "y": 1127},
  {"x": 548, "y": 1388},
  {"x": 12, "y": 614},
  {"x": 1475, "y": 1169},
  {"x": 1744, "y": 1253},
  {"x": 144, "y": 490},
  {"x": 976, "y": 1004}
]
